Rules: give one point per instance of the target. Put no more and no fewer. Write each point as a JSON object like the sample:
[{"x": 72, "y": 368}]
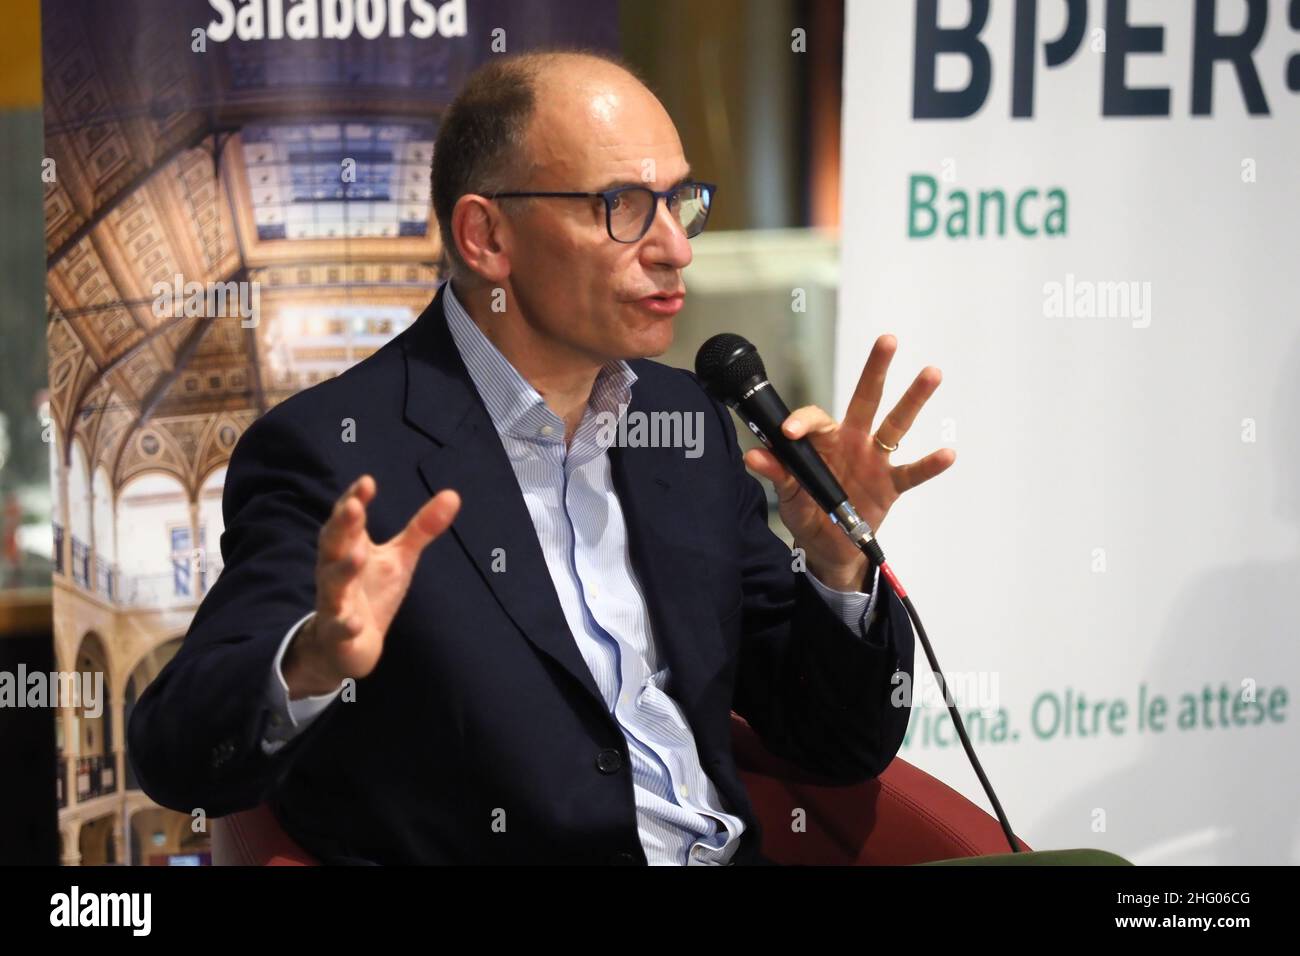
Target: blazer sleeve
[
  {"x": 195, "y": 734},
  {"x": 816, "y": 692}
]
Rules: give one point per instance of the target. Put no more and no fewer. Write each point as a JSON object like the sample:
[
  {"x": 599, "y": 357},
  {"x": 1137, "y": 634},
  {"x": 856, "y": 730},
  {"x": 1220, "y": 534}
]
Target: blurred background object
[
  {"x": 24, "y": 468},
  {"x": 28, "y": 816}
]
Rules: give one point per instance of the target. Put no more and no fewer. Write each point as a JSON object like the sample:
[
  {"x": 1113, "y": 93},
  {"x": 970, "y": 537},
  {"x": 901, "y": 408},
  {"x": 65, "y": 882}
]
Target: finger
[
  {"x": 798, "y": 512},
  {"x": 901, "y": 417},
  {"x": 765, "y": 463},
  {"x": 433, "y": 518},
  {"x": 866, "y": 396},
  {"x": 333, "y": 578},
  {"x": 347, "y": 520},
  {"x": 363, "y": 489},
  {"x": 341, "y": 531},
  {"x": 909, "y": 476},
  {"x": 809, "y": 420}
]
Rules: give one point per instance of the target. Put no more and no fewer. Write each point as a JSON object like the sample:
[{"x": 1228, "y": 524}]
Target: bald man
[{"x": 476, "y": 626}]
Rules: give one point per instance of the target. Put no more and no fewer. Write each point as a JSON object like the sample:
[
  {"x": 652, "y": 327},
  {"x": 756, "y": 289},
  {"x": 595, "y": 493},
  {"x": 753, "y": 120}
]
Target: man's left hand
[{"x": 860, "y": 463}]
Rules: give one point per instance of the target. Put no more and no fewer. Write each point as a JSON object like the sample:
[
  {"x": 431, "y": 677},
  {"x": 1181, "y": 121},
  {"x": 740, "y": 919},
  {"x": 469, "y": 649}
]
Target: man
[{"x": 540, "y": 660}]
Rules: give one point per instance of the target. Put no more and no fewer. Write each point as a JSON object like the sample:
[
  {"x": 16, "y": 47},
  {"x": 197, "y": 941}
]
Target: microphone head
[{"x": 728, "y": 364}]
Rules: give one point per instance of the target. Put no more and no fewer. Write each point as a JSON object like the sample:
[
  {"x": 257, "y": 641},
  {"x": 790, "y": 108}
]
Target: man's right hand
[{"x": 359, "y": 587}]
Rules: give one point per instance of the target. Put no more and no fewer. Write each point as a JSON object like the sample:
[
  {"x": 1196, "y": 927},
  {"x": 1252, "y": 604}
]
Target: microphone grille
[{"x": 726, "y": 362}]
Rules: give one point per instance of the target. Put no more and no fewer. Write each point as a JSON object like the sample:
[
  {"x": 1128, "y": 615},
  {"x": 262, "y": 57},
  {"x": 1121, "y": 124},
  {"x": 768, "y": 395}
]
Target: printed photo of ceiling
[{"x": 324, "y": 208}]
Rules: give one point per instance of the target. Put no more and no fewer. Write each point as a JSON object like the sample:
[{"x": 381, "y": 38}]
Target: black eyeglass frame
[{"x": 608, "y": 196}]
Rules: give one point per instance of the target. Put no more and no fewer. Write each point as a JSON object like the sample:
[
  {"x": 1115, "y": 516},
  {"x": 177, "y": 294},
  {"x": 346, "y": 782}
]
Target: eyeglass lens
[{"x": 632, "y": 211}]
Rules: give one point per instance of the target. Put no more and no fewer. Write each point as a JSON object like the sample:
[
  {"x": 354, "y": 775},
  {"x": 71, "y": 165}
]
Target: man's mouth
[{"x": 663, "y": 303}]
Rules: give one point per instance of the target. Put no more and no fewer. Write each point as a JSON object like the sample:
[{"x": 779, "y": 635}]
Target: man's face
[{"x": 594, "y": 129}]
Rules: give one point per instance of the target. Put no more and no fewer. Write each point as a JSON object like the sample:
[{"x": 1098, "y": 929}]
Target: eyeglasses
[{"x": 630, "y": 210}]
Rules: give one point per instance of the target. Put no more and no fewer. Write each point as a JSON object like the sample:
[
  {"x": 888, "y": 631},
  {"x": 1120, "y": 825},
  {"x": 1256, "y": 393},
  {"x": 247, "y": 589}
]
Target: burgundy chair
[{"x": 903, "y": 816}]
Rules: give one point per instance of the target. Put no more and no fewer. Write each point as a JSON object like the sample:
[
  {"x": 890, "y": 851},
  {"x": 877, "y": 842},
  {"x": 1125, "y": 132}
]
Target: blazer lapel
[
  {"x": 659, "y": 508},
  {"x": 442, "y": 402}
]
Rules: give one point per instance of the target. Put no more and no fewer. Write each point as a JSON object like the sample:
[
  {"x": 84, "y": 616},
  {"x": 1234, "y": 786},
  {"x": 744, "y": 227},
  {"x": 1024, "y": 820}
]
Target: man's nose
[{"x": 665, "y": 244}]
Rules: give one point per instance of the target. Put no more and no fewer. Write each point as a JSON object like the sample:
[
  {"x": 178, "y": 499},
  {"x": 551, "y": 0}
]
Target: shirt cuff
[
  {"x": 290, "y": 717},
  {"x": 856, "y": 609}
]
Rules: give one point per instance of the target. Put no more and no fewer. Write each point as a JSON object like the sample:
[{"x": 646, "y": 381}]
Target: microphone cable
[{"x": 871, "y": 548}]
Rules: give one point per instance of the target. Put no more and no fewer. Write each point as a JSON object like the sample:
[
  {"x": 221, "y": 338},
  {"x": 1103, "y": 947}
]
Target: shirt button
[
  {"x": 545, "y": 430},
  {"x": 683, "y": 791}
]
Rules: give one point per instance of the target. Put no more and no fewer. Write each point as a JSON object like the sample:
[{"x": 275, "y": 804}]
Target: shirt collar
[{"x": 515, "y": 407}]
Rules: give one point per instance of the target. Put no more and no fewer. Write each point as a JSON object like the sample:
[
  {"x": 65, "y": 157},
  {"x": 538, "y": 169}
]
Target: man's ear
[{"x": 481, "y": 234}]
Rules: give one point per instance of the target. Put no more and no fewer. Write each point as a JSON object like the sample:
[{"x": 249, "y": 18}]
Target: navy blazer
[{"x": 481, "y": 702}]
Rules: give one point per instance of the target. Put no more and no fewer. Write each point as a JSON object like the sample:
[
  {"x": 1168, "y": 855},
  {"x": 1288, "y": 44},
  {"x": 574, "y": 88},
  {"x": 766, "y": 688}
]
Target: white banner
[{"x": 1086, "y": 215}]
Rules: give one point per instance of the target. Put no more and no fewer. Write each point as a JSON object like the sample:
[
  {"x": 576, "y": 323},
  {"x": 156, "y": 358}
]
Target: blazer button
[
  {"x": 623, "y": 859},
  {"x": 222, "y": 753},
  {"x": 609, "y": 761}
]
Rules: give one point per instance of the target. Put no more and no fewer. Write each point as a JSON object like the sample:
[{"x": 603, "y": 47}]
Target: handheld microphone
[{"x": 732, "y": 372}]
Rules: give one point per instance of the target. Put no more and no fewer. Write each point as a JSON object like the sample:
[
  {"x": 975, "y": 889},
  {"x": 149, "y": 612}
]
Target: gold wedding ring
[{"x": 882, "y": 446}]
